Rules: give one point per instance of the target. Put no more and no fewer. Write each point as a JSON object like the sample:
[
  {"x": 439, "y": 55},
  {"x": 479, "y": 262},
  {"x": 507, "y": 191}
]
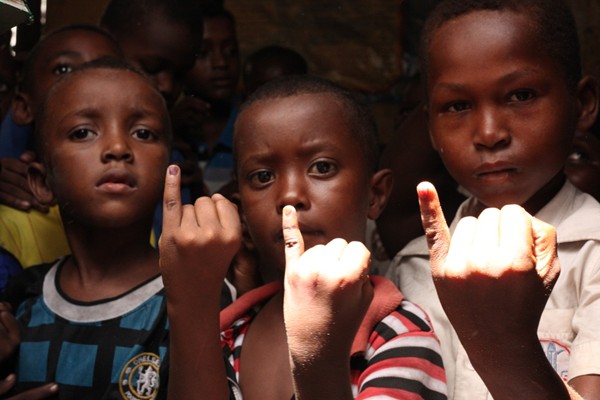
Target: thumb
[
  {"x": 434, "y": 225},
  {"x": 547, "y": 265},
  {"x": 292, "y": 237}
]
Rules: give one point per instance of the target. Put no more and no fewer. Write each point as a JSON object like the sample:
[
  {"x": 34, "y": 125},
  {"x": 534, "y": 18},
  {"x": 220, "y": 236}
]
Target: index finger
[
  {"x": 292, "y": 237},
  {"x": 434, "y": 224},
  {"x": 172, "y": 199}
]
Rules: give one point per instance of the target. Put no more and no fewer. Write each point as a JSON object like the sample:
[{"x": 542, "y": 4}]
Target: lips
[
  {"x": 116, "y": 181},
  {"x": 306, "y": 231},
  {"x": 495, "y": 169}
]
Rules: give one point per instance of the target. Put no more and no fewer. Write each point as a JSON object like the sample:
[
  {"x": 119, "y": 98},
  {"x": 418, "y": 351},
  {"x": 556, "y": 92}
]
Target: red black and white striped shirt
[{"x": 395, "y": 354}]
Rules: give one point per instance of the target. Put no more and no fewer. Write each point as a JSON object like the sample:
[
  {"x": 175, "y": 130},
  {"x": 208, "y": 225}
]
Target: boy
[
  {"x": 158, "y": 37},
  {"x": 161, "y": 38},
  {"x": 34, "y": 236},
  {"x": 505, "y": 96},
  {"x": 204, "y": 118},
  {"x": 56, "y": 54},
  {"x": 98, "y": 329},
  {"x": 306, "y": 151}
]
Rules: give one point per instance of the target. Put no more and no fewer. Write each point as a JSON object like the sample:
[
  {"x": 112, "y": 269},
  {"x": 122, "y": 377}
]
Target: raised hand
[
  {"x": 198, "y": 241},
  {"x": 493, "y": 278},
  {"x": 14, "y": 188},
  {"x": 326, "y": 294},
  {"x": 196, "y": 248}
]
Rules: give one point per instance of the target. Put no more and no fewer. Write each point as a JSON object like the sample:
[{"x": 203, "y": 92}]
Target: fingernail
[
  {"x": 54, "y": 388},
  {"x": 10, "y": 378},
  {"x": 173, "y": 170},
  {"x": 287, "y": 210}
]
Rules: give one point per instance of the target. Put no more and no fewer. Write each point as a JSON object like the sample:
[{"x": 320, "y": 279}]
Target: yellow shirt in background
[{"x": 32, "y": 237}]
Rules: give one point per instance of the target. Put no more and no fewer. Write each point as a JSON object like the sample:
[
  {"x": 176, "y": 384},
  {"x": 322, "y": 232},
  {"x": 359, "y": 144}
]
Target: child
[
  {"x": 56, "y": 54},
  {"x": 98, "y": 329},
  {"x": 34, "y": 236},
  {"x": 306, "y": 143},
  {"x": 505, "y": 96},
  {"x": 160, "y": 38},
  {"x": 501, "y": 251},
  {"x": 205, "y": 117}
]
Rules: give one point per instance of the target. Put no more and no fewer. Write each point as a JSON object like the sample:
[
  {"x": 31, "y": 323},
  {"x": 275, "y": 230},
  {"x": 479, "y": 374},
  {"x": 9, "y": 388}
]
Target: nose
[
  {"x": 218, "y": 59},
  {"x": 293, "y": 192},
  {"x": 492, "y": 131},
  {"x": 116, "y": 148}
]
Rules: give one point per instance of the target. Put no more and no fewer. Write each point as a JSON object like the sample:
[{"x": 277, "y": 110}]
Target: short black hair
[
  {"x": 110, "y": 63},
  {"x": 212, "y": 9},
  {"x": 553, "y": 21},
  {"x": 360, "y": 117},
  {"x": 120, "y": 17},
  {"x": 290, "y": 59},
  {"x": 27, "y": 75}
]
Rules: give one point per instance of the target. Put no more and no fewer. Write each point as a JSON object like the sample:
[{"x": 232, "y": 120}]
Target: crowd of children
[{"x": 124, "y": 277}]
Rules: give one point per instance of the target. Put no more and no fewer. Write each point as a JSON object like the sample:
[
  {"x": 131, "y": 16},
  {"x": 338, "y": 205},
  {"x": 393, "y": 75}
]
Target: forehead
[
  {"x": 218, "y": 27},
  {"x": 160, "y": 37},
  {"x": 470, "y": 42},
  {"x": 300, "y": 118},
  {"x": 101, "y": 88},
  {"x": 76, "y": 42}
]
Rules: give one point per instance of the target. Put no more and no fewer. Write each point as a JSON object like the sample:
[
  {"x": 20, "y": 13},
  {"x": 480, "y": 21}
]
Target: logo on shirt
[
  {"x": 558, "y": 355},
  {"x": 139, "y": 378}
]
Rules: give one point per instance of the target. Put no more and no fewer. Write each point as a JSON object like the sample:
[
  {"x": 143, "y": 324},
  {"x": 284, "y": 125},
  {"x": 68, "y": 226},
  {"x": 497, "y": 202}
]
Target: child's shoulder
[
  {"x": 574, "y": 214},
  {"x": 25, "y": 285}
]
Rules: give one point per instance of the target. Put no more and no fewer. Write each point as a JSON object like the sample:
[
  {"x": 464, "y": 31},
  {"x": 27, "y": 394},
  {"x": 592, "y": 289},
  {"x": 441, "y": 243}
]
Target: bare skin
[
  {"x": 497, "y": 262},
  {"x": 210, "y": 228}
]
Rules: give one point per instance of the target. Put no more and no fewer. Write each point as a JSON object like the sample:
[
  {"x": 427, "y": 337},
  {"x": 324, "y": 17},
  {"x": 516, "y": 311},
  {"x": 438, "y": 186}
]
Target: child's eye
[
  {"x": 230, "y": 51},
  {"x": 458, "y": 106},
  {"x": 81, "y": 134},
  {"x": 260, "y": 178},
  {"x": 144, "y": 134},
  {"x": 521, "y": 95},
  {"x": 202, "y": 54},
  {"x": 323, "y": 168},
  {"x": 62, "y": 69}
]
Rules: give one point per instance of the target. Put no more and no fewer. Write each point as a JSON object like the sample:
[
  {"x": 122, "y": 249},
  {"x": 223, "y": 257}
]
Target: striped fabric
[{"x": 401, "y": 359}]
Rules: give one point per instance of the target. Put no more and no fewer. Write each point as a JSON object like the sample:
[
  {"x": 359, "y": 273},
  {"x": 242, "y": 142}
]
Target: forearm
[
  {"x": 521, "y": 372},
  {"x": 197, "y": 369},
  {"x": 322, "y": 380}
]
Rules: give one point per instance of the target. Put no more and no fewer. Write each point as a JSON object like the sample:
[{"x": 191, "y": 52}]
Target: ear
[
  {"x": 38, "y": 183},
  {"x": 587, "y": 97},
  {"x": 21, "y": 109},
  {"x": 379, "y": 193}
]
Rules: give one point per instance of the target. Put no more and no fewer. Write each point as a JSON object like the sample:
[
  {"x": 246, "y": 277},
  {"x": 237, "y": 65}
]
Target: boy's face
[
  {"x": 61, "y": 53},
  {"x": 216, "y": 72},
  {"x": 501, "y": 114},
  {"x": 164, "y": 49},
  {"x": 299, "y": 151},
  {"x": 106, "y": 147}
]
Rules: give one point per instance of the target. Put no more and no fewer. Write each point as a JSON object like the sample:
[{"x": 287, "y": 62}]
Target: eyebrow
[
  {"x": 62, "y": 54},
  {"x": 308, "y": 148},
  {"x": 505, "y": 79}
]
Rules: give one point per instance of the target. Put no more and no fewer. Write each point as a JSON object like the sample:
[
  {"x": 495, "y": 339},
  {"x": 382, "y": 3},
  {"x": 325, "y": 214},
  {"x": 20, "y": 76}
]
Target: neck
[
  {"x": 542, "y": 197},
  {"x": 107, "y": 262}
]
